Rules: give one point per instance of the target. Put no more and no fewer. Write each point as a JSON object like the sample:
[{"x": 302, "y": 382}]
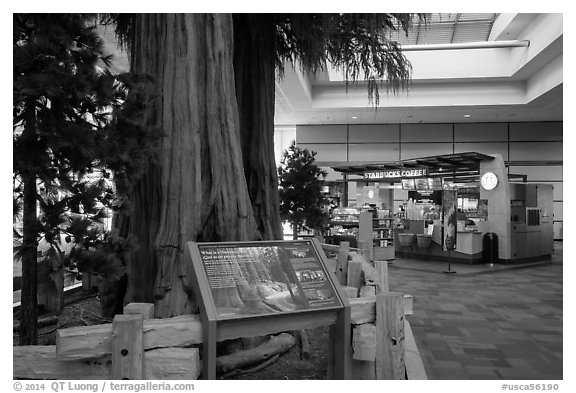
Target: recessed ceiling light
[
  {"x": 466, "y": 115},
  {"x": 354, "y": 117}
]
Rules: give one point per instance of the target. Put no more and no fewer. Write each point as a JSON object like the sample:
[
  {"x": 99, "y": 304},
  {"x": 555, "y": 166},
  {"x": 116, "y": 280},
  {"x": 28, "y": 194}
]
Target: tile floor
[{"x": 486, "y": 322}]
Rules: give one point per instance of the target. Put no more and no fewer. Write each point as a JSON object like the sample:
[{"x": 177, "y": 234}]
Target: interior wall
[
  {"x": 283, "y": 138},
  {"x": 530, "y": 148}
]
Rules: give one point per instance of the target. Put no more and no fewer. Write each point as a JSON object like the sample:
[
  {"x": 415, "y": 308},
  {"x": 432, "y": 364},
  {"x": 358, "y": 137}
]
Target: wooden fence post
[
  {"x": 355, "y": 274},
  {"x": 365, "y": 247},
  {"x": 342, "y": 263},
  {"x": 390, "y": 336},
  {"x": 383, "y": 285},
  {"x": 144, "y": 309},
  {"x": 127, "y": 347}
]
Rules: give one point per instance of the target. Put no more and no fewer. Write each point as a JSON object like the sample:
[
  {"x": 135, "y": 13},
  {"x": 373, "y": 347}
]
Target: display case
[
  {"x": 344, "y": 226},
  {"x": 377, "y": 232}
]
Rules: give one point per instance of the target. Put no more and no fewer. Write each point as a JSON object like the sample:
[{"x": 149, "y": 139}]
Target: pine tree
[
  {"x": 300, "y": 188},
  {"x": 73, "y": 127}
]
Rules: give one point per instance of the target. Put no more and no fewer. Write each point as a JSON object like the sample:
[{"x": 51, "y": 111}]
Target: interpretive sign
[
  {"x": 251, "y": 279},
  {"x": 249, "y": 289}
]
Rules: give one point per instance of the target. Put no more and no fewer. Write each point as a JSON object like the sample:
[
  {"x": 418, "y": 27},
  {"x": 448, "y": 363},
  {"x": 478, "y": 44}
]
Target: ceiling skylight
[{"x": 446, "y": 28}]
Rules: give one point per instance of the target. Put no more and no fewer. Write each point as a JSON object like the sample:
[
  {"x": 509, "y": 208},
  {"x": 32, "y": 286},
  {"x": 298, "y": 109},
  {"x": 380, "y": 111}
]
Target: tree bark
[
  {"x": 196, "y": 189},
  {"x": 28, "y": 332},
  {"x": 254, "y": 70}
]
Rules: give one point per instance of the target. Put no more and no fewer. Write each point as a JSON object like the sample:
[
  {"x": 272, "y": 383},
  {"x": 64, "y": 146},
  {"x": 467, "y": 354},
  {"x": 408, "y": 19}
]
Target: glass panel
[
  {"x": 472, "y": 32},
  {"x": 247, "y": 279}
]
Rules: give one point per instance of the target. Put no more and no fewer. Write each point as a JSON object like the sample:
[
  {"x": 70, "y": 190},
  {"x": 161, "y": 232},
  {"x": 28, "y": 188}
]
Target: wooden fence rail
[{"x": 135, "y": 346}]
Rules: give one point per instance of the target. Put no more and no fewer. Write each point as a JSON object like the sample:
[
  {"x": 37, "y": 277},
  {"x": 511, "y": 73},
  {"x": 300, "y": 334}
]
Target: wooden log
[
  {"x": 180, "y": 331},
  {"x": 144, "y": 309},
  {"x": 351, "y": 292},
  {"x": 363, "y": 370},
  {"x": 172, "y": 363},
  {"x": 96, "y": 341},
  {"x": 364, "y": 342},
  {"x": 369, "y": 273},
  {"x": 408, "y": 304},
  {"x": 277, "y": 344},
  {"x": 355, "y": 273},
  {"x": 363, "y": 309},
  {"x": 330, "y": 248},
  {"x": 365, "y": 247},
  {"x": 367, "y": 291},
  {"x": 342, "y": 263},
  {"x": 390, "y": 336},
  {"x": 127, "y": 347},
  {"x": 382, "y": 271},
  {"x": 414, "y": 365},
  {"x": 40, "y": 362},
  {"x": 43, "y": 321}
]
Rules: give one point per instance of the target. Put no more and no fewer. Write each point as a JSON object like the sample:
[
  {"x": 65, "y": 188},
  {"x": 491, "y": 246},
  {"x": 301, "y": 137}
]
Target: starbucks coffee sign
[{"x": 396, "y": 174}]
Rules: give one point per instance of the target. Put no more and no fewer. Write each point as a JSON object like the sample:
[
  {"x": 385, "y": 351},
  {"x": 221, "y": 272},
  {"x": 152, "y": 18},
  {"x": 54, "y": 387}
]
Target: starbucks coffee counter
[{"x": 469, "y": 242}]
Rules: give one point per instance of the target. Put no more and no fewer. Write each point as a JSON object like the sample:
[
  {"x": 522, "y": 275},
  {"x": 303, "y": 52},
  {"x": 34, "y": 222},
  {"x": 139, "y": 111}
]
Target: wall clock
[{"x": 489, "y": 181}]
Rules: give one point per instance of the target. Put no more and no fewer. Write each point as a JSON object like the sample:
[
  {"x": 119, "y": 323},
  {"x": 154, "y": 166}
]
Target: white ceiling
[
  {"x": 519, "y": 84},
  {"x": 489, "y": 85}
]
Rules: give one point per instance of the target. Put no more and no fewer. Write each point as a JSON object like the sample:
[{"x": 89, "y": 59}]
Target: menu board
[
  {"x": 434, "y": 183},
  {"x": 421, "y": 183},
  {"x": 276, "y": 277},
  {"x": 408, "y": 184}
]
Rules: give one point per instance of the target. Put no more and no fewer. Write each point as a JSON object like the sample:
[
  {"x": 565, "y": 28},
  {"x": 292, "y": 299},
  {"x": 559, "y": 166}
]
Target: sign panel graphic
[{"x": 282, "y": 277}]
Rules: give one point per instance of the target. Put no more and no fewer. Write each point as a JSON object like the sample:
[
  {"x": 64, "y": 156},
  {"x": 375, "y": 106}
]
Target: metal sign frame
[{"x": 217, "y": 327}]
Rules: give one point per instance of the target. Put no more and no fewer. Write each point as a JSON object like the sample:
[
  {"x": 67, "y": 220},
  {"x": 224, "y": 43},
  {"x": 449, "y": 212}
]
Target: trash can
[{"x": 490, "y": 248}]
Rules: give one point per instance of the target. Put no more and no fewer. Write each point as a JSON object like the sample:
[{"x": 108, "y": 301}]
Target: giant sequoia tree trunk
[
  {"x": 254, "y": 69},
  {"x": 196, "y": 189}
]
